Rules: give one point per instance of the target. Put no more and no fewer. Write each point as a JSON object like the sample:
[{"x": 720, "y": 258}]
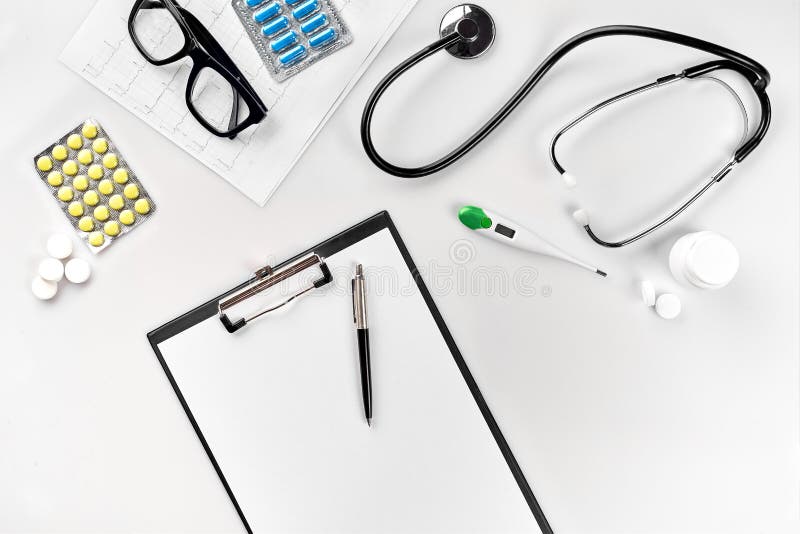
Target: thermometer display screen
[{"x": 504, "y": 230}]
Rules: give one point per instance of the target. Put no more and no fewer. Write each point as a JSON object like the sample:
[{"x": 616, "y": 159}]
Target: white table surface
[{"x": 623, "y": 422}]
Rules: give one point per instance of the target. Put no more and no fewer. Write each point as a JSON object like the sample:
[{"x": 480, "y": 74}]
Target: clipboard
[{"x": 445, "y": 471}]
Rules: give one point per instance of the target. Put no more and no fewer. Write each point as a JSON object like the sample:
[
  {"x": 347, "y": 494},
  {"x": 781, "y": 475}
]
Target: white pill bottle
[{"x": 704, "y": 259}]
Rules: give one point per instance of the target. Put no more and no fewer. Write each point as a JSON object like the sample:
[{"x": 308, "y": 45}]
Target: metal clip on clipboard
[{"x": 266, "y": 278}]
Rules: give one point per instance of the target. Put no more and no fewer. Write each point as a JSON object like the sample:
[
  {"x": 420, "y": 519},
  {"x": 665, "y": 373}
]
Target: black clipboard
[{"x": 360, "y": 231}]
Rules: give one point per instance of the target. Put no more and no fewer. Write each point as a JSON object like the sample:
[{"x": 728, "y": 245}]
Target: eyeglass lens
[
  {"x": 215, "y": 99},
  {"x": 157, "y": 30}
]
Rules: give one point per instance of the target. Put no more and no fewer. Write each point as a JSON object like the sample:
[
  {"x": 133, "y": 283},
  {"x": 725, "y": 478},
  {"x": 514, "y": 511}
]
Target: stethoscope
[{"x": 467, "y": 31}]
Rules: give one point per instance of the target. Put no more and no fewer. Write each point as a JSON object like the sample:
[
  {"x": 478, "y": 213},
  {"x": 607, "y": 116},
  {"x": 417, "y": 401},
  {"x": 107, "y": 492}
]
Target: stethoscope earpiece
[
  {"x": 467, "y": 31},
  {"x": 474, "y": 26}
]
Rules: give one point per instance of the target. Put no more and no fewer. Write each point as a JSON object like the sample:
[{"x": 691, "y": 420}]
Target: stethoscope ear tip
[
  {"x": 581, "y": 217},
  {"x": 569, "y": 180}
]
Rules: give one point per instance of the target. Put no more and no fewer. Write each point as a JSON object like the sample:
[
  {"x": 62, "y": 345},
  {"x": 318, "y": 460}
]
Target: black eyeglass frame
[{"x": 205, "y": 52}]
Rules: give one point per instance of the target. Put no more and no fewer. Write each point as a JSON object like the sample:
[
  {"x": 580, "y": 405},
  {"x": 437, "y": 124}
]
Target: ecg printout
[{"x": 260, "y": 157}]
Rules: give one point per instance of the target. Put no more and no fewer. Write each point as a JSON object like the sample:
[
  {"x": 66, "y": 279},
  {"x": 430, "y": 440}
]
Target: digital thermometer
[{"x": 506, "y": 231}]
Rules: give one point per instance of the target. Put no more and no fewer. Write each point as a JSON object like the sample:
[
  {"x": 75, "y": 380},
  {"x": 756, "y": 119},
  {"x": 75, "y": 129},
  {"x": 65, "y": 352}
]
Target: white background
[{"x": 622, "y": 422}]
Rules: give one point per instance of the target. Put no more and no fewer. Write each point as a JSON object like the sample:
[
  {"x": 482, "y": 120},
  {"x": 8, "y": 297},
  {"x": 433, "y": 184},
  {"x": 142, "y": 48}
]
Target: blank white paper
[{"x": 280, "y": 405}]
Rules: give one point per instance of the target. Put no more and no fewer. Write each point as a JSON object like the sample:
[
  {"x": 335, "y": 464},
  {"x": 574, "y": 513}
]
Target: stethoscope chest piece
[{"x": 475, "y": 27}]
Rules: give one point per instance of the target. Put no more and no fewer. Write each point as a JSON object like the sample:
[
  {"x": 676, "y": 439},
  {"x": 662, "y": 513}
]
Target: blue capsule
[
  {"x": 294, "y": 54},
  {"x": 283, "y": 40},
  {"x": 305, "y": 9},
  {"x": 317, "y": 21},
  {"x": 292, "y": 2},
  {"x": 275, "y": 26},
  {"x": 267, "y": 12},
  {"x": 254, "y": 3},
  {"x": 322, "y": 38}
]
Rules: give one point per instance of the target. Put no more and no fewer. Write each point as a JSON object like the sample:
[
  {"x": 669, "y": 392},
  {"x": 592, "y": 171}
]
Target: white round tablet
[
  {"x": 648, "y": 293},
  {"x": 668, "y": 306},
  {"x": 59, "y": 246},
  {"x": 51, "y": 269},
  {"x": 77, "y": 270},
  {"x": 43, "y": 289}
]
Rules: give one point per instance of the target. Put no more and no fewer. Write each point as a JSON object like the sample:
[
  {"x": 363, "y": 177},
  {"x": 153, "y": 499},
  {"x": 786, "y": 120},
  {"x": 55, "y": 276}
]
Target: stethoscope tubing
[{"x": 751, "y": 69}]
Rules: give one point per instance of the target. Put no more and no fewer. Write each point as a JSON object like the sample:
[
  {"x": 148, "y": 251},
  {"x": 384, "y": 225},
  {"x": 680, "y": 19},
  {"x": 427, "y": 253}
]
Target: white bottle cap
[
  {"x": 668, "y": 306},
  {"x": 712, "y": 261},
  {"x": 51, "y": 269},
  {"x": 704, "y": 259}
]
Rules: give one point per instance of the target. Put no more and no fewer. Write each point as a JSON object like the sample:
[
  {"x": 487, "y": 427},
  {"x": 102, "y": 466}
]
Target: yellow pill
[
  {"x": 70, "y": 168},
  {"x": 101, "y": 213},
  {"x": 74, "y": 141},
  {"x": 76, "y": 209},
  {"x": 116, "y": 202},
  {"x": 131, "y": 191},
  {"x": 95, "y": 172},
  {"x": 86, "y": 224},
  {"x": 89, "y": 130},
  {"x": 142, "y": 206},
  {"x": 127, "y": 217},
  {"x": 44, "y": 164},
  {"x": 91, "y": 198},
  {"x": 65, "y": 194},
  {"x": 110, "y": 161},
  {"x": 106, "y": 187},
  {"x": 60, "y": 152},
  {"x": 111, "y": 228},
  {"x": 55, "y": 178},
  {"x": 120, "y": 176},
  {"x": 96, "y": 239},
  {"x": 85, "y": 156},
  {"x": 81, "y": 183},
  {"x": 100, "y": 145}
]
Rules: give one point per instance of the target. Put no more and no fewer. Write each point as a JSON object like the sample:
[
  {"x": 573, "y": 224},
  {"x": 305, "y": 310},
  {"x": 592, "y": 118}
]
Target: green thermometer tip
[{"x": 474, "y": 218}]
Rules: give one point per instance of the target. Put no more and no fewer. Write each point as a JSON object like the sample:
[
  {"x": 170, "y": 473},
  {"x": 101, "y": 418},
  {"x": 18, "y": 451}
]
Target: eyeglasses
[{"x": 217, "y": 93}]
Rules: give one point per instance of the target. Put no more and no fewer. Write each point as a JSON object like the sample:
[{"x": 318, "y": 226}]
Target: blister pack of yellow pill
[{"x": 94, "y": 185}]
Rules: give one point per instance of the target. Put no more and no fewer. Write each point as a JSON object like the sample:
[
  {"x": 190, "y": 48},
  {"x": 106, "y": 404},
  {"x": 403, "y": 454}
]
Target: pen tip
[
  {"x": 601, "y": 273},
  {"x": 369, "y": 423}
]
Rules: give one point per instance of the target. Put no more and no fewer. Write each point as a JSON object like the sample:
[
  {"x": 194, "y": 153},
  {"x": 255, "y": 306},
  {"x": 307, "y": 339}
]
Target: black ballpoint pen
[{"x": 360, "y": 319}]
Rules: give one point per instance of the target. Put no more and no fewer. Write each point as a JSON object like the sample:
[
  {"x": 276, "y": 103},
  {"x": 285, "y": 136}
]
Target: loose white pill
[
  {"x": 51, "y": 269},
  {"x": 668, "y": 306},
  {"x": 77, "y": 270},
  {"x": 648, "y": 293},
  {"x": 43, "y": 289},
  {"x": 59, "y": 246}
]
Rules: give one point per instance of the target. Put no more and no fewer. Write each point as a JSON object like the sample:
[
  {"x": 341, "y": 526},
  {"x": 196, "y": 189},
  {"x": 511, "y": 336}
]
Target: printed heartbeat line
[
  {"x": 119, "y": 69},
  {"x": 261, "y": 156}
]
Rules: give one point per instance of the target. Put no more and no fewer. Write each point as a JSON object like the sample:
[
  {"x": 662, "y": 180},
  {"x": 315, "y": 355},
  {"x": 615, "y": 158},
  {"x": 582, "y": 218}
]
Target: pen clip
[{"x": 353, "y": 300}]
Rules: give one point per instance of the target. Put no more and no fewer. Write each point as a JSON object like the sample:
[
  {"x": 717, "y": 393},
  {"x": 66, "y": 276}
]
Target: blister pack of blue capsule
[{"x": 292, "y": 35}]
